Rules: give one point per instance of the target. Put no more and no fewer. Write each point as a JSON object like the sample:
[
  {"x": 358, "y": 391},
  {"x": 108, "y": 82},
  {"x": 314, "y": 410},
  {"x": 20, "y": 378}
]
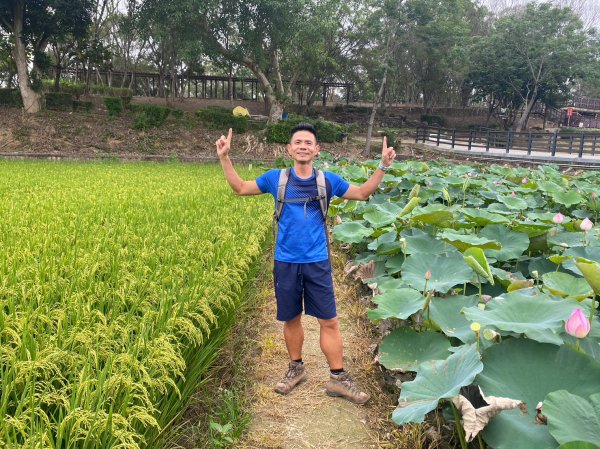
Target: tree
[
  {"x": 534, "y": 54},
  {"x": 268, "y": 37},
  {"x": 31, "y": 25}
]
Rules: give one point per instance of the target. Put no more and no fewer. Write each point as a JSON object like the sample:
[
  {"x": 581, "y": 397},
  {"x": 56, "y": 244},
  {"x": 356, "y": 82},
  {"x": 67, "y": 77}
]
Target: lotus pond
[{"x": 482, "y": 267}]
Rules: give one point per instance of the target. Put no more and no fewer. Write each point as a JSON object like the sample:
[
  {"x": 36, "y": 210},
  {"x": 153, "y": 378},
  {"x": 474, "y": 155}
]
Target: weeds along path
[{"x": 307, "y": 418}]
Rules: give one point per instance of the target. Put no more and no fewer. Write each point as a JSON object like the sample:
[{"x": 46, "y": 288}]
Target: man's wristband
[{"x": 384, "y": 168}]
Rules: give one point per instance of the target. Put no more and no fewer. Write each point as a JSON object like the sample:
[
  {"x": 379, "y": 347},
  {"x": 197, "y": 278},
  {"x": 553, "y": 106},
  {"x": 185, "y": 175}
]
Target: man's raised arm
[
  {"x": 370, "y": 185},
  {"x": 238, "y": 185}
]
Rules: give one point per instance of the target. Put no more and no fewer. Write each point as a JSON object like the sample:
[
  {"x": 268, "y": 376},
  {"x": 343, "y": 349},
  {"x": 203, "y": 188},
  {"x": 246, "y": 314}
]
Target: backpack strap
[
  {"x": 322, "y": 192},
  {"x": 284, "y": 177}
]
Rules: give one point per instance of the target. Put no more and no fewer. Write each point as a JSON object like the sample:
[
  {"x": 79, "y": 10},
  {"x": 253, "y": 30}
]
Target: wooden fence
[{"x": 489, "y": 140}]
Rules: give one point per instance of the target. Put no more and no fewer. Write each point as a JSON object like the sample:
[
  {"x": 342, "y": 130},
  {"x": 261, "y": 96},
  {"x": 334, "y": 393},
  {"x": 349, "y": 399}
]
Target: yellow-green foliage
[{"x": 113, "y": 279}]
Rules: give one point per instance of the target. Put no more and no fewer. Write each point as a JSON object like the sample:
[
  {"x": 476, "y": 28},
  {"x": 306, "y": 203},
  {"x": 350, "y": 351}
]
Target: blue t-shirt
[{"x": 301, "y": 234}]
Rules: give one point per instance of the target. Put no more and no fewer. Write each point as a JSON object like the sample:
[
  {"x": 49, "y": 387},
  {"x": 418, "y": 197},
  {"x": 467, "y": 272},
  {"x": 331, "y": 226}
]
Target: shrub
[
  {"x": 111, "y": 91},
  {"x": 149, "y": 115},
  {"x": 85, "y": 106},
  {"x": 11, "y": 98},
  {"x": 391, "y": 134},
  {"x": 216, "y": 117},
  {"x": 75, "y": 89},
  {"x": 434, "y": 119},
  {"x": 59, "y": 101},
  {"x": 327, "y": 131},
  {"x": 177, "y": 113},
  {"x": 114, "y": 105}
]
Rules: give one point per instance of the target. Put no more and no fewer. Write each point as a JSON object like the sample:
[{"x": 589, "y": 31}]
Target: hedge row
[
  {"x": 11, "y": 98},
  {"x": 217, "y": 117},
  {"x": 326, "y": 131}
]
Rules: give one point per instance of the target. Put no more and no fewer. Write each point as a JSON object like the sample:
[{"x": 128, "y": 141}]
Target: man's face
[{"x": 303, "y": 146}]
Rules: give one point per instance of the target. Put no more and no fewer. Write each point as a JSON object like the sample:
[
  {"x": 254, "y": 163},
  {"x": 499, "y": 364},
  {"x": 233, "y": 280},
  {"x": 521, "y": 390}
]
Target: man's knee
[{"x": 332, "y": 324}]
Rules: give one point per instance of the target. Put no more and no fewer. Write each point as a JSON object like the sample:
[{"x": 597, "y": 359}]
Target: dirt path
[{"x": 307, "y": 418}]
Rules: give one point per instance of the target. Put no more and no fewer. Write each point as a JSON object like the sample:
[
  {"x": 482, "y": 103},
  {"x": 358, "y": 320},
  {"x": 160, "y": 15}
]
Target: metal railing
[{"x": 530, "y": 143}]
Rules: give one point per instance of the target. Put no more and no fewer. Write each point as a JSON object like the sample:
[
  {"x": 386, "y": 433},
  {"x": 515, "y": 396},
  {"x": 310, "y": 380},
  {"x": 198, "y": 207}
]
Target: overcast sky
[{"x": 589, "y": 10}]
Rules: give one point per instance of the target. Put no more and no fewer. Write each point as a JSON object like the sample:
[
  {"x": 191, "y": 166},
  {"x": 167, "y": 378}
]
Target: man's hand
[
  {"x": 223, "y": 145},
  {"x": 387, "y": 153}
]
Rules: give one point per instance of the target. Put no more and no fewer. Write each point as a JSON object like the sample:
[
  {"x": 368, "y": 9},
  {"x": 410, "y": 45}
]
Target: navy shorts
[{"x": 310, "y": 283}]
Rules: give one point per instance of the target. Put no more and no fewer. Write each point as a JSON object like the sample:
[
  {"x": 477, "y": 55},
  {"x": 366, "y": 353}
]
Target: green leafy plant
[{"x": 114, "y": 105}]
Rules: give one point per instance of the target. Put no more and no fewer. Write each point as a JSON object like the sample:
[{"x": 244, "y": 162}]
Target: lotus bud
[
  {"x": 558, "y": 218},
  {"x": 524, "y": 181},
  {"x": 428, "y": 275},
  {"x": 564, "y": 245},
  {"x": 475, "y": 327},
  {"x": 485, "y": 298},
  {"x": 577, "y": 325},
  {"x": 586, "y": 224},
  {"x": 430, "y": 183},
  {"x": 403, "y": 244},
  {"x": 594, "y": 195},
  {"x": 535, "y": 274},
  {"x": 513, "y": 194},
  {"x": 338, "y": 219},
  {"x": 489, "y": 334},
  {"x": 538, "y": 407}
]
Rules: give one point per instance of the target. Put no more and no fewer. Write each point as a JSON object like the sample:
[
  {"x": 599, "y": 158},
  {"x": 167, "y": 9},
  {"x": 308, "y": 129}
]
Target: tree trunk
[
  {"x": 275, "y": 108},
  {"x": 31, "y": 99},
  {"x": 526, "y": 112},
  {"x": 367, "y": 149}
]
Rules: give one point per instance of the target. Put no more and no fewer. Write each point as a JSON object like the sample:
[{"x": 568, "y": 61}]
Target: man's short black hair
[{"x": 304, "y": 127}]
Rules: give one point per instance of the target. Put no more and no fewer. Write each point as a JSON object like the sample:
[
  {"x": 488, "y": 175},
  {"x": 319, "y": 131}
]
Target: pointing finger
[
  {"x": 384, "y": 141},
  {"x": 229, "y": 135}
]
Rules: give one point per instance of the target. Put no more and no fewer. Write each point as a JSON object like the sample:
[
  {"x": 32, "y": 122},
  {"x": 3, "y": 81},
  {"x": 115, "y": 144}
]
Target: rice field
[{"x": 116, "y": 281}]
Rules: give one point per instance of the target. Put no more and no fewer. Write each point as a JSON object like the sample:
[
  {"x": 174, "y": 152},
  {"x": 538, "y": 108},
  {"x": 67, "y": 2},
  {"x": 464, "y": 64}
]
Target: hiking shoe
[
  {"x": 293, "y": 377},
  {"x": 341, "y": 385}
]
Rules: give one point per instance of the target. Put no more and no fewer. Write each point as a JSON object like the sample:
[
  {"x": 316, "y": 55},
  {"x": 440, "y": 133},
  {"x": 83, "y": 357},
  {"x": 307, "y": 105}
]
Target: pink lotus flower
[
  {"x": 430, "y": 183},
  {"x": 524, "y": 181},
  {"x": 513, "y": 194},
  {"x": 586, "y": 224},
  {"x": 558, "y": 218},
  {"x": 594, "y": 195},
  {"x": 338, "y": 219},
  {"x": 486, "y": 298},
  {"x": 577, "y": 325},
  {"x": 428, "y": 275}
]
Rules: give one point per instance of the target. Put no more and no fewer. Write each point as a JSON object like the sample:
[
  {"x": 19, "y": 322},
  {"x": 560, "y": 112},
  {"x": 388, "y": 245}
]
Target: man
[{"x": 302, "y": 269}]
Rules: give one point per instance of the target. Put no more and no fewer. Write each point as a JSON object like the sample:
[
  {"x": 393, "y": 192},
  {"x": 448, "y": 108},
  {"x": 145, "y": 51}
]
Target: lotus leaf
[
  {"x": 483, "y": 217},
  {"x": 559, "y": 258},
  {"x": 379, "y": 218},
  {"x": 426, "y": 244},
  {"x": 387, "y": 283},
  {"x": 400, "y": 303},
  {"x": 570, "y": 239},
  {"x": 539, "y": 317},
  {"x": 464, "y": 241},
  {"x": 447, "y": 270},
  {"x": 578, "y": 445},
  {"x": 567, "y": 198},
  {"x": 387, "y": 237},
  {"x": 446, "y": 314},
  {"x": 572, "y": 417},
  {"x": 549, "y": 187},
  {"x": 532, "y": 229},
  {"x": 351, "y": 232},
  {"x": 591, "y": 272},
  {"x": 565, "y": 285},
  {"x": 404, "y": 348},
  {"x": 513, "y": 203},
  {"x": 585, "y": 252},
  {"x": 394, "y": 264},
  {"x": 435, "y": 214},
  {"x": 475, "y": 258},
  {"x": 514, "y": 244},
  {"x": 436, "y": 380},
  {"x": 527, "y": 370}
]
